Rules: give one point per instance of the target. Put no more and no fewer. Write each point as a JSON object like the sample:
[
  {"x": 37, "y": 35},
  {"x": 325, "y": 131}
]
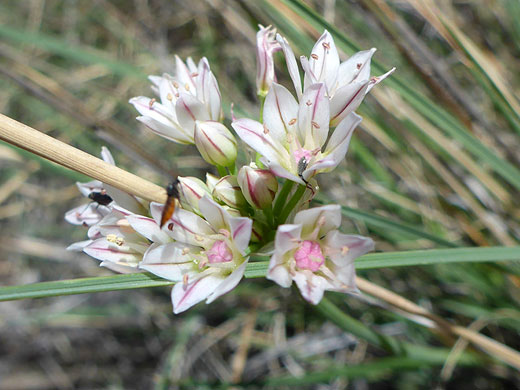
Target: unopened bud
[
  {"x": 259, "y": 186},
  {"x": 266, "y": 46},
  {"x": 216, "y": 143},
  {"x": 191, "y": 190},
  {"x": 228, "y": 191}
]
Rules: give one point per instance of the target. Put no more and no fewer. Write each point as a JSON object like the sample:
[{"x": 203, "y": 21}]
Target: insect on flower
[
  {"x": 169, "y": 207},
  {"x": 101, "y": 198}
]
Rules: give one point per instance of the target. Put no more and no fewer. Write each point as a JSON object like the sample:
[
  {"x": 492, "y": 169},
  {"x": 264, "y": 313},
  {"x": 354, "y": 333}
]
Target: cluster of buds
[{"x": 220, "y": 224}]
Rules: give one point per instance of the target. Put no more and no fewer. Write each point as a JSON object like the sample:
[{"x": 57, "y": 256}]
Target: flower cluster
[{"x": 220, "y": 224}]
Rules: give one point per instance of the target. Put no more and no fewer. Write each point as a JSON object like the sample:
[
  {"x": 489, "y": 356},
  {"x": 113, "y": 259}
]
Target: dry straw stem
[
  {"x": 494, "y": 348},
  {"x": 34, "y": 141}
]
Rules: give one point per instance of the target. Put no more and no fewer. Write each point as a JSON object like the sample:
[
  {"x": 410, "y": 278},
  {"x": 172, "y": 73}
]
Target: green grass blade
[
  {"x": 84, "y": 55},
  {"x": 256, "y": 270}
]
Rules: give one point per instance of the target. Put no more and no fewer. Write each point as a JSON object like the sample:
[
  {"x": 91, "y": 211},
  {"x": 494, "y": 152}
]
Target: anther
[
  {"x": 292, "y": 121},
  {"x": 170, "y": 226},
  {"x": 359, "y": 65},
  {"x": 119, "y": 241},
  {"x": 175, "y": 84},
  {"x": 326, "y": 45},
  {"x": 266, "y": 130},
  {"x": 198, "y": 238},
  {"x": 315, "y": 125},
  {"x": 308, "y": 102},
  {"x": 187, "y": 87},
  {"x": 314, "y": 56},
  {"x": 152, "y": 101},
  {"x": 185, "y": 279},
  {"x": 344, "y": 250},
  {"x": 194, "y": 74},
  {"x": 169, "y": 97},
  {"x": 224, "y": 232},
  {"x": 185, "y": 251}
]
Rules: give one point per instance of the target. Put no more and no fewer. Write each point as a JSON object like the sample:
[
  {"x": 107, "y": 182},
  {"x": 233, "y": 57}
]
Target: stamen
[
  {"x": 170, "y": 226},
  {"x": 185, "y": 251},
  {"x": 292, "y": 121},
  {"x": 359, "y": 65},
  {"x": 194, "y": 74},
  {"x": 185, "y": 279},
  {"x": 123, "y": 223},
  {"x": 152, "y": 101},
  {"x": 266, "y": 130},
  {"x": 314, "y": 56},
  {"x": 199, "y": 238},
  {"x": 175, "y": 84},
  {"x": 315, "y": 125},
  {"x": 224, "y": 232},
  {"x": 187, "y": 87},
  {"x": 169, "y": 97},
  {"x": 326, "y": 45},
  {"x": 344, "y": 250},
  {"x": 308, "y": 102}
]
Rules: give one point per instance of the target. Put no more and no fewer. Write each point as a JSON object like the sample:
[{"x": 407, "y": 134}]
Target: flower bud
[
  {"x": 266, "y": 46},
  {"x": 216, "y": 143},
  {"x": 259, "y": 186},
  {"x": 191, "y": 190},
  {"x": 228, "y": 191},
  {"x": 211, "y": 180}
]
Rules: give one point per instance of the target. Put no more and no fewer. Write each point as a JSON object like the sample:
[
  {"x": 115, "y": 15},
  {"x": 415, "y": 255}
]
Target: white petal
[
  {"x": 314, "y": 117},
  {"x": 324, "y": 60},
  {"x": 337, "y": 146},
  {"x": 168, "y": 131},
  {"x": 280, "y": 108},
  {"x": 287, "y": 238},
  {"x": 208, "y": 91},
  {"x": 229, "y": 283},
  {"x": 241, "y": 228},
  {"x": 190, "y": 109},
  {"x": 345, "y": 248},
  {"x": 280, "y": 171},
  {"x": 183, "y": 74},
  {"x": 86, "y": 214},
  {"x": 156, "y": 210},
  {"x": 376, "y": 80},
  {"x": 186, "y": 296},
  {"x": 169, "y": 261},
  {"x": 278, "y": 271},
  {"x": 345, "y": 278},
  {"x": 125, "y": 200},
  {"x": 107, "y": 156},
  {"x": 214, "y": 213},
  {"x": 356, "y": 68},
  {"x": 148, "y": 228},
  {"x": 292, "y": 66},
  {"x": 103, "y": 250},
  {"x": 120, "y": 268},
  {"x": 311, "y": 286},
  {"x": 346, "y": 100},
  {"x": 78, "y": 246},
  {"x": 253, "y": 134},
  {"x": 326, "y": 217},
  {"x": 168, "y": 94},
  {"x": 191, "y": 229}
]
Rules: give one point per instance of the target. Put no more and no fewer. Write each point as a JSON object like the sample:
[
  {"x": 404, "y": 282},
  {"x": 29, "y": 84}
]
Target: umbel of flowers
[{"x": 221, "y": 221}]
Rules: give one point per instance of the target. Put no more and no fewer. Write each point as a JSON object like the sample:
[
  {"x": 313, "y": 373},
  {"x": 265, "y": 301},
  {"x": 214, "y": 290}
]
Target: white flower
[
  {"x": 314, "y": 254},
  {"x": 293, "y": 135},
  {"x": 346, "y": 83},
  {"x": 91, "y": 213},
  {"x": 207, "y": 258},
  {"x": 191, "y": 94}
]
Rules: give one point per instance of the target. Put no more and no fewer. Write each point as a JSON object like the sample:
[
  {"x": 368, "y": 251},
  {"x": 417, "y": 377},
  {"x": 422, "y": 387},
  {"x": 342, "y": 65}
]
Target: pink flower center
[
  {"x": 300, "y": 153},
  {"x": 219, "y": 253},
  {"x": 309, "y": 256}
]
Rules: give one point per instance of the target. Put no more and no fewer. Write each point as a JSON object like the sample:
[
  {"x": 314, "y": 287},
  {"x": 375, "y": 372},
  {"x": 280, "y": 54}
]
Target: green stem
[
  {"x": 282, "y": 197},
  {"x": 269, "y": 216},
  {"x": 221, "y": 171},
  {"x": 292, "y": 203}
]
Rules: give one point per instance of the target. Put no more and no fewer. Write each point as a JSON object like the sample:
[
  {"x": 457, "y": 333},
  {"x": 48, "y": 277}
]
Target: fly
[{"x": 169, "y": 207}]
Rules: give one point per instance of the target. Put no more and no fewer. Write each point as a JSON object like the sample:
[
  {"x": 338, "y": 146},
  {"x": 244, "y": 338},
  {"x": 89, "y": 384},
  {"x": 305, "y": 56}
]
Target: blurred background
[{"x": 434, "y": 164}]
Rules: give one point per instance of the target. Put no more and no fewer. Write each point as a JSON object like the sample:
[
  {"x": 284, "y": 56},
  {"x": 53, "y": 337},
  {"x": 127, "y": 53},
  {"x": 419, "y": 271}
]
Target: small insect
[
  {"x": 101, "y": 198},
  {"x": 169, "y": 207},
  {"x": 302, "y": 166}
]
